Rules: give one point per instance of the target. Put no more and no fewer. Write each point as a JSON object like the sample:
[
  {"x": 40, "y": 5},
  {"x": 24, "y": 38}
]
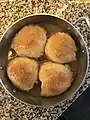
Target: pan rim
[{"x": 87, "y": 54}]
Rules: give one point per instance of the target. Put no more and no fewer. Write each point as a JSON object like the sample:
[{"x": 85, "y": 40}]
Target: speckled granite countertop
[{"x": 11, "y": 109}]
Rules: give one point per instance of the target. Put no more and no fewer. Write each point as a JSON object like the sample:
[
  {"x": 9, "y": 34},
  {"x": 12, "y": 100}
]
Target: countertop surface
[{"x": 12, "y": 109}]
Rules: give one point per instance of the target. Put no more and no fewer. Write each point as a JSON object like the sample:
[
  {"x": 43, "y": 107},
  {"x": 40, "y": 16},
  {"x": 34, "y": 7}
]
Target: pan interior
[{"x": 52, "y": 25}]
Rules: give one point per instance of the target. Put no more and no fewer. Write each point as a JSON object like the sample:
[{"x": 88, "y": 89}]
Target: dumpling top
[
  {"x": 55, "y": 78},
  {"x": 30, "y": 41},
  {"x": 23, "y": 72},
  {"x": 61, "y": 48}
]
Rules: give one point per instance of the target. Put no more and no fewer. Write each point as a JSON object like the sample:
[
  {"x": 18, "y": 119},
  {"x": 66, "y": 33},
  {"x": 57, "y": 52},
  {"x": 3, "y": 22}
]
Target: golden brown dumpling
[
  {"x": 23, "y": 72},
  {"x": 30, "y": 41},
  {"x": 55, "y": 78},
  {"x": 61, "y": 48}
]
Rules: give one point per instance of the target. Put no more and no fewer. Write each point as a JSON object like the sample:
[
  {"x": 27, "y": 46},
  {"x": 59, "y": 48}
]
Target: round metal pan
[{"x": 52, "y": 24}]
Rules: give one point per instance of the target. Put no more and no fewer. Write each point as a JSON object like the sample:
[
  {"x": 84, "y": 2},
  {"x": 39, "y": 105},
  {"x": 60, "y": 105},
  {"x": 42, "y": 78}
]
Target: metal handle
[{"x": 86, "y": 19}]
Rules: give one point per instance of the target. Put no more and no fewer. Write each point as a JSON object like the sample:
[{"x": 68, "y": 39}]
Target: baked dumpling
[
  {"x": 23, "y": 72},
  {"x": 55, "y": 78},
  {"x": 30, "y": 41},
  {"x": 61, "y": 48}
]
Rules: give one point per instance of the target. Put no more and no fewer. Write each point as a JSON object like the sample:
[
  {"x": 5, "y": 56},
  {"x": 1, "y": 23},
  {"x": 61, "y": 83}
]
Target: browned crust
[
  {"x": 55, "y": 78},
  {"x": 22, "y": 72},
  {"x": 30, "y": 41},
  {"x": 61, "y": 48}
]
